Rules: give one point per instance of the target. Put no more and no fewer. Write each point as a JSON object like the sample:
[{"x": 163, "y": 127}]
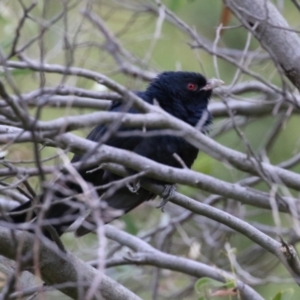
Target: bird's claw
[
  {"x": 133, "y": 187},
  {"x": 166, "y": 196}
]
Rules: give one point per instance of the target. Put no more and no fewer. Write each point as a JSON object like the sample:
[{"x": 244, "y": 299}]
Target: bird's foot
[
  {"x": 166, "y": 195},
  {"x": 134, "y": 186}
]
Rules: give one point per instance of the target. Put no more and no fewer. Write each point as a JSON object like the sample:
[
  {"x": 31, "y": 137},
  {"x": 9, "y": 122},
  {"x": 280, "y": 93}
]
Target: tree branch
[
  {"x": 72, "y": 274},
  {"x": 273, "y": 32}
]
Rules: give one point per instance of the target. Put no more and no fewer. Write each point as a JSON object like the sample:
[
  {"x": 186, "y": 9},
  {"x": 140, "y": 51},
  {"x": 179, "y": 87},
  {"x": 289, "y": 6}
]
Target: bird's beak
[{"x": 212, "y": 84}]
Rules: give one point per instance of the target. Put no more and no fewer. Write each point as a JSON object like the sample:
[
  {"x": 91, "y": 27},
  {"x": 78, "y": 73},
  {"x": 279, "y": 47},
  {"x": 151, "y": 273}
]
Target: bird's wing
[{"x": 125, "y": 141}]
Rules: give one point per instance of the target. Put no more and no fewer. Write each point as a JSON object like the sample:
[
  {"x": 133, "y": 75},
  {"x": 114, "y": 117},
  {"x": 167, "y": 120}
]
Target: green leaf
[
  {"x": 206, "y": 282},
  {"x": 203, "y": 281},
  {"x": 284, "y": 295},
  {"x": 230, "y": 284}
]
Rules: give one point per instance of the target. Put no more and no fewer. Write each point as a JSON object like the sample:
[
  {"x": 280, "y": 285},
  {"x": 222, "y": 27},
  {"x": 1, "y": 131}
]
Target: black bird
[{"x": 184, "y": 95}]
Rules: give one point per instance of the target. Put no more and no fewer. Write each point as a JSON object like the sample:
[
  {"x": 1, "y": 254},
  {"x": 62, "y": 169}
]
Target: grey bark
[
  {"x": 60, "y": 268},
  {"x": 273, "y": 32}
]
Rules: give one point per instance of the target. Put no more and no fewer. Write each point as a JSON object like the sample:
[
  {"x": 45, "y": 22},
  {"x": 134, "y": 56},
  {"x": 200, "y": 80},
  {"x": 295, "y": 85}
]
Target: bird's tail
[
  {"x": 63, "y": 203},
  {"x": 55, "y": 206}
]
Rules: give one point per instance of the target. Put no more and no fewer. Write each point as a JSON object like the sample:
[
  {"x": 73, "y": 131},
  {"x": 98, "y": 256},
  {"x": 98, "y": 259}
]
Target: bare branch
[
  {"x": 273, "y": 33},
  {"x": 73, "y": 275}
]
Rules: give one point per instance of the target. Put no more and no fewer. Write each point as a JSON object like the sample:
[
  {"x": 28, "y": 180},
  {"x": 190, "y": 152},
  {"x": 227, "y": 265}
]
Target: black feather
[{"x": 170, "y": 91}]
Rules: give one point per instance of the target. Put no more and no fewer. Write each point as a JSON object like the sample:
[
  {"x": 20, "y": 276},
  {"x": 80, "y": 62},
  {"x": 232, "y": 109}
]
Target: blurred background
[{"x": 153, "y": 42}]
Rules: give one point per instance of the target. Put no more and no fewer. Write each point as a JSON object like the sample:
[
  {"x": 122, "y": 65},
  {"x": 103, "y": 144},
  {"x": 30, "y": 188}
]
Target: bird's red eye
[{"x": 192, "y": 87}]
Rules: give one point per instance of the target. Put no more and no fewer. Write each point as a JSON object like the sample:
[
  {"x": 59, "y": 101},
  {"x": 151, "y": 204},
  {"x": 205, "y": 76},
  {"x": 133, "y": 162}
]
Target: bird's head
[{"x": 183, "y": 94}]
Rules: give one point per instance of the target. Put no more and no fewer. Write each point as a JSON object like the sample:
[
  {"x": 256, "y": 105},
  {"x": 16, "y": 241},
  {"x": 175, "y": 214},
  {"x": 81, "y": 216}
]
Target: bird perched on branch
[{"x": 184, "y": 95}]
